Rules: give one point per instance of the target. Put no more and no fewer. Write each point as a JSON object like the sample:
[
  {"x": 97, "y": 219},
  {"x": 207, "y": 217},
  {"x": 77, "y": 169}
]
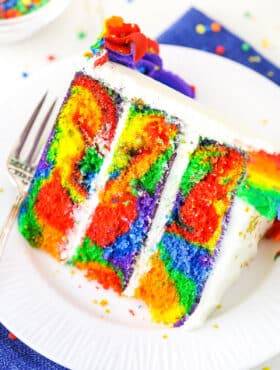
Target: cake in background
[{"x": 143, "y": 189}]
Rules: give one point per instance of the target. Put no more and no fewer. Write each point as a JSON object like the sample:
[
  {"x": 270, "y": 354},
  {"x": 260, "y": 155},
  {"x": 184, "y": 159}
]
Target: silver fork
[{"x": 21, "y": 168}]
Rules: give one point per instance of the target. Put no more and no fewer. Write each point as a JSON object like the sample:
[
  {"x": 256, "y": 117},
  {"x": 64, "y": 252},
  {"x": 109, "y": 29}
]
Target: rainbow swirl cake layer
[{"x": 148, "y": 194}]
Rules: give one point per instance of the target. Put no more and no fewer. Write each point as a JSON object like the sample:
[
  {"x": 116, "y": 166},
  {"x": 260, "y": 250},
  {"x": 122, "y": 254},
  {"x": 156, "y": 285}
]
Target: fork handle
[{"x": 8, "y": 224}]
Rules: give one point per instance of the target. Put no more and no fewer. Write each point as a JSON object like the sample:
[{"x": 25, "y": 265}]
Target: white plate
[{"x": 52, "y": 310}]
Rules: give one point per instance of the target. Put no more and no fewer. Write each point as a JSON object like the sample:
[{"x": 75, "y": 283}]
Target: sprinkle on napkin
[
  {"x": 277, "y": 255},
  {"x": 11, "y": 336},
  {"x": 196, "y": 30}
]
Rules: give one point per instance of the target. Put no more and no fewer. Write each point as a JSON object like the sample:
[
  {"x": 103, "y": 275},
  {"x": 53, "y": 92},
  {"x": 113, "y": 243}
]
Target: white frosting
[
  {"x": 132, "y": 84},
  {"x": 239, "y": 245}
]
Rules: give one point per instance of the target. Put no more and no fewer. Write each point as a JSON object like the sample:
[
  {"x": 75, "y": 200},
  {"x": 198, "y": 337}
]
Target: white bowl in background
[{"x": 20, "y": 28}]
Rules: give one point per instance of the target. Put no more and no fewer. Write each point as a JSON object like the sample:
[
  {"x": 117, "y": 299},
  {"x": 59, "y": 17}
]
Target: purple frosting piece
[
  {"x": 126, "y": 60},
  {"x": 151, "y": 65}
]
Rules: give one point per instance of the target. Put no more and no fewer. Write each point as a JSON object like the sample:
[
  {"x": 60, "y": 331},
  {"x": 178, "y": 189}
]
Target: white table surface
[{"x": 261, "y": 28}]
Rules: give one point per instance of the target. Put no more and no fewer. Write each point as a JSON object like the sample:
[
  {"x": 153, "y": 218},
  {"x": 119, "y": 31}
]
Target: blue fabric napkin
[
  {"x": 14, "y": 355},
  {"x": 194, "y": 29}
]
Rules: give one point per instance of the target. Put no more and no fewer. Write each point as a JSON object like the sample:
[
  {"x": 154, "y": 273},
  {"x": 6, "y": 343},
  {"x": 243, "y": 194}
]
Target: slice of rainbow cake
[{"x": 144, "y": 190}]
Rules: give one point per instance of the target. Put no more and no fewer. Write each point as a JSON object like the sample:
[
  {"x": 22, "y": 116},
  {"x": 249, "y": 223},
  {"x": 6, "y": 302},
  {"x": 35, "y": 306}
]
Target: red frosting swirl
[{"x": 127, "y": 38}]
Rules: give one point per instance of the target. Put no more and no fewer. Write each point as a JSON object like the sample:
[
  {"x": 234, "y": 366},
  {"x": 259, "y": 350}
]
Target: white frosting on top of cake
[{"x": 132, "y": 84}]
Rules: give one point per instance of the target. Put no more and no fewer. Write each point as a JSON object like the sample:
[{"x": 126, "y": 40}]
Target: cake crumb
[
  {"x": 107, "y": 310},
  {"x": 270, "y": 73},
  {"x": 216, "y": 326},
  {"x": 264, "y": 121},
  {"x": 95, "y": 301},
  {"x": 165, "y": 336},
  {"x": 253, "y": 224},
  {"x": 218, "y": 307},
  {"x": 244, "y": 264},
  {"x": 73, "y": 272},
  {"x": 103, "y": 302},
  {"x": 1, "y": 190}
]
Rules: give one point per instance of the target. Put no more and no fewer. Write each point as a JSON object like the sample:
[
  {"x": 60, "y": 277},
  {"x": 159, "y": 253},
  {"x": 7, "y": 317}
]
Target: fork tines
[{"x": 25, "y": 135}]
